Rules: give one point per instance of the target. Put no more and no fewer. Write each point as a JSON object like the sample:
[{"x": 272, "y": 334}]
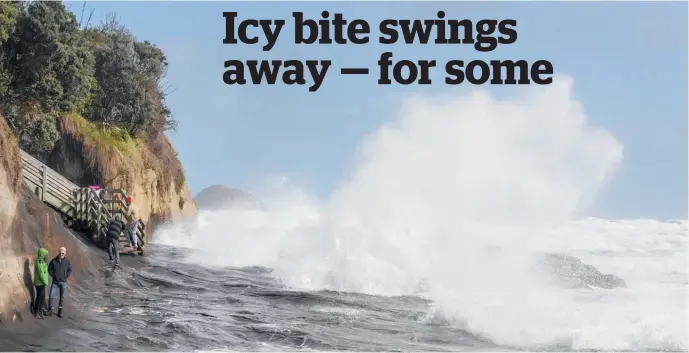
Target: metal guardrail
[
  {"x": 82, "y": 205},
  {"x": 92, "y": 212},
  {"x": 50, "y": 187}
]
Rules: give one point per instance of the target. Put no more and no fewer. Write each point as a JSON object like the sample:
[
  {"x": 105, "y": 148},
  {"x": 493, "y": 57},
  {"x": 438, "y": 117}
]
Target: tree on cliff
[
  {"x": 50, "y": 66},
  {"x": 129, "y": 75}
]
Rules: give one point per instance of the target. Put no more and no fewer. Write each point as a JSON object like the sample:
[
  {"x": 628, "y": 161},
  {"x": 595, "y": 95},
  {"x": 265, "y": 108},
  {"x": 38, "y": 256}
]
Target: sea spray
[{"x": 456, "y": 198}]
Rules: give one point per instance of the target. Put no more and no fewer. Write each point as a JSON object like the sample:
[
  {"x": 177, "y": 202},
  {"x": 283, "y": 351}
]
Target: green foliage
[
  {"x": 50, "y": 66},
  {"x": 9, "y": 16},
  {"x": 129, "y": 74},
  {"x": 40, "y": 135},
  {"x": 36, "y": 132},
  {"x": 106, "y": 136}
]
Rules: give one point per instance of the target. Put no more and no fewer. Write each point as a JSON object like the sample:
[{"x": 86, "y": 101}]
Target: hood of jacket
[
  {"x": 41, "y": 271},
  {"x": 42, "y": 253}
]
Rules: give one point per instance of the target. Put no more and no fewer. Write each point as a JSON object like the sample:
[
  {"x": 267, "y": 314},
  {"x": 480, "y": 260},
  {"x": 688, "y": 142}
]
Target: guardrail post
[
  {"x": 77, "y": 208},
  {"x": 87, "y": 205},
  {"x": 44, "y": 177}
]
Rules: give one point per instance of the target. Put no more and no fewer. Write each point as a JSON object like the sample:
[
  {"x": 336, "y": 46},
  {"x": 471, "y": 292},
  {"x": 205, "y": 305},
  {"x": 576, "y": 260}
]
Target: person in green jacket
[{"x": 40, "y": 281}]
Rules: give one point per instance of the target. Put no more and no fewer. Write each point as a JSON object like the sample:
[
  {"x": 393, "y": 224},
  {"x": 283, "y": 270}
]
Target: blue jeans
[
  {"x": 62, "y": 286},
  {"x": 114, "y": 250},
  {"x": 133, "y": 238}
]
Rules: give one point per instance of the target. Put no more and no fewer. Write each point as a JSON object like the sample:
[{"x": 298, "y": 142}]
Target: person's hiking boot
[{"x": 59, "y": 312}]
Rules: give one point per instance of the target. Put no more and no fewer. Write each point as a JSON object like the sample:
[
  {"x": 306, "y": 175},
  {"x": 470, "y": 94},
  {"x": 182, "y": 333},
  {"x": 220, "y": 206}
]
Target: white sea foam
[{"x": 453, "y": 201}]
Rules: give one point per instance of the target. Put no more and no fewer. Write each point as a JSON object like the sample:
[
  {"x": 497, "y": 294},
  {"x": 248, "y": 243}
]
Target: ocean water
[
  {"x": 523, "y": 313},
  {"x": 184, "y": 299}
]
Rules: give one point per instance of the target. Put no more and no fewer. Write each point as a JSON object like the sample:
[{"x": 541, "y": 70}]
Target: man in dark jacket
[
  {"x": 115, "y": 228},
  {"x": 59, "y": 269}
]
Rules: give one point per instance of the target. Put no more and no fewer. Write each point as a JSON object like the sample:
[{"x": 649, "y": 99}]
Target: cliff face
[
  {"x": 26, "y": 225},
  {"x": 94, "y": 111},
  {"x": 148, "y": 169},
  {"x": 10, "y": 263}
]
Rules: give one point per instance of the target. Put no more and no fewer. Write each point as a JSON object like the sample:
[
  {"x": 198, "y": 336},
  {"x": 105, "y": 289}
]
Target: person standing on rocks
[
  {"x": 40, "y": 281},
  {"x": 131, "y": 229},
  {"x": 115, "y": 228},
  {"x": 59, "y": 269}
]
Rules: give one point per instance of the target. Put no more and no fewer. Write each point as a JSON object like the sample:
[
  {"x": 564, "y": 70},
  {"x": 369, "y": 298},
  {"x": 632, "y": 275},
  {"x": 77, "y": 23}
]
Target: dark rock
[
  {"x": 67, "y": 158},
  {"x": 570, "y": 272},
  {"x": 218, "y": 197}
]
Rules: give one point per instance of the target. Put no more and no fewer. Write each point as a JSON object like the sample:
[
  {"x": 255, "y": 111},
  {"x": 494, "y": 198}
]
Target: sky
[{"x": 628, "y": 62}]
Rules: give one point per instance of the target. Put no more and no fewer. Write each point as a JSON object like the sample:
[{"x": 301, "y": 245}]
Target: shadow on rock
[{"x": 28, "y": 283}]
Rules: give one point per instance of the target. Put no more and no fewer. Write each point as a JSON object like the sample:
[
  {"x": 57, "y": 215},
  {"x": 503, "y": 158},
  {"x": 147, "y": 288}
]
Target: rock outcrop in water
[
  {"x": 570, "y": 272},
  {"x": 218, "y": 197}
]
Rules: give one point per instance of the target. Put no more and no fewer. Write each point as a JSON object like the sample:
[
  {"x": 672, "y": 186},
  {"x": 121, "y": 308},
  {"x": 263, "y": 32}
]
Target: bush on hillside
[{"x": 50, "y": 66}]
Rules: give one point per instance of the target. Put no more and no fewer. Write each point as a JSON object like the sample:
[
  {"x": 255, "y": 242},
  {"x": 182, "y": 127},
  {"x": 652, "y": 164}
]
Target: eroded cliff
[
  {"x": 90, "y": 103},
  {"x": 10, "y": 262},
  {"x": 26, "y": 225},
  {"x": 88, "y": 155},
  {"x": 149, "y": 170}
]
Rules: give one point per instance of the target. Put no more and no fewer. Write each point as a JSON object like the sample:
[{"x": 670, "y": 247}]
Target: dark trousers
[
  {"x": 39, "y": 303},
  {"x": 62, "y": 286},
  {"x": 114, "y": 250}
]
